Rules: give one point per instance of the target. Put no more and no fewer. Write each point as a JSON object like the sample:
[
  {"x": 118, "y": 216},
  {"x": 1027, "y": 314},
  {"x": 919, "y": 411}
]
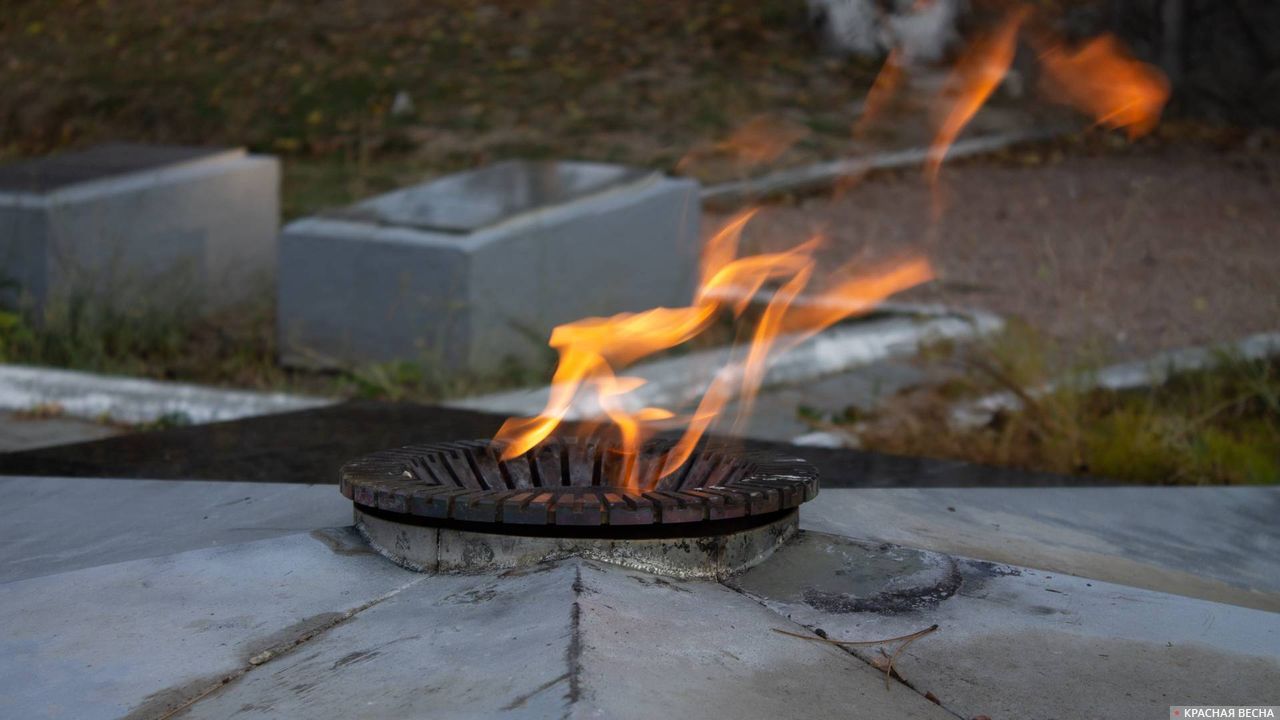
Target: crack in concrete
[
  {"x": 573, "y": 654},
  {"x": 521, "y": 700},
  {"x": 849, "y": 651},
  {"x": 278, "y": 650}
]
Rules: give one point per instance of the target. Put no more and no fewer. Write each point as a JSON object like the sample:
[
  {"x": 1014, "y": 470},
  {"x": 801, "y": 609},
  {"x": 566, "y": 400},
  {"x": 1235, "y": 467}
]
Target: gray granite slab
[
  {"x": 53, "y": 525},
  {"x": 145, "y": 637},
  {"x": 1015, "y": 642},
  {"x": 1214, "y": 543}
]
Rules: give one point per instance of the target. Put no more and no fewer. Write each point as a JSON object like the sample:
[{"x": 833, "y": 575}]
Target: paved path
[{"x": 18, "y": 432}]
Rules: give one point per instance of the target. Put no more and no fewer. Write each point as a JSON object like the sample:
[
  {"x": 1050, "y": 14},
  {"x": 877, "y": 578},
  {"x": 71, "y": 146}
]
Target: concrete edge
[
  {"x": 188, "y": 170},
  {"x": 676, "y": 380},
  {"x": 333, "y": 226},
  {"x": 135, "y": 400},
  {"x": 825, "y": 173},
  {"x": 1126, "y": 376}
]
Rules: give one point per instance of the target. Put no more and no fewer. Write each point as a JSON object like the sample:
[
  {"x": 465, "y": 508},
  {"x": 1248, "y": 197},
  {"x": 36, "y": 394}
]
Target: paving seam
[
  {"x": 287, "y": 648},
  {"x": 900, "y": 680}
]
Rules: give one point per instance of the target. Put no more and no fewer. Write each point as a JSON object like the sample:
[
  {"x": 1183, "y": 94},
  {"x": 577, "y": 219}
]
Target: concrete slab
[
  {"x": 653, "y": 648},
  {"x": 451, "y": 647},
  {"x": 470, "y": 271},
  {"x": 573, "y": 639},
  {"x": 1214, "y": 543},
  {"x": 1015, "y": 642},
  {"x": 317, "y": 625},
  {"x": 145, "y": 637},
  {"x": 54, "y": 525}
]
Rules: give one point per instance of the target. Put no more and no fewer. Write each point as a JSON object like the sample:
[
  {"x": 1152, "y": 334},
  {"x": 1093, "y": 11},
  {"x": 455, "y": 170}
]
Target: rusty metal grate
[{"x": 571, "y": 482}]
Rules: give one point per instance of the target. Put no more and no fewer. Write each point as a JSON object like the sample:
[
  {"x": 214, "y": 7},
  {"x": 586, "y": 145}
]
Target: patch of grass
[
  {"x": 1217, "y": 425},
  {"x": 1213, "y": 426},
  {"x": 15, "y": 336},
  {"x": 164, "y": 422},
  {"x": 235, "y": 347},
  {"x": 81, "y": 334}
]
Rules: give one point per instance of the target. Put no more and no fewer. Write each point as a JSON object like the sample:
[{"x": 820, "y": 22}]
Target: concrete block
[
  {"x": 138, "y": 225},
  {"x": 472, "y": 269}
]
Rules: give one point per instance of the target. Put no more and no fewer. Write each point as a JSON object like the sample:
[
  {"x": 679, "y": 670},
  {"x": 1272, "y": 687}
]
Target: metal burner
[{"x": 574, "y": 483}]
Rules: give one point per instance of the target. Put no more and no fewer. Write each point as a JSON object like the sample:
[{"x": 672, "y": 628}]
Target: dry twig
[{"x": 904, "y": 639}]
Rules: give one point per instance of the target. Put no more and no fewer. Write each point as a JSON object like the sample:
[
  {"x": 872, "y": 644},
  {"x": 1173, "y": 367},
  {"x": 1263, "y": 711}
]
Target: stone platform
[{"x": 150, "y": 599}]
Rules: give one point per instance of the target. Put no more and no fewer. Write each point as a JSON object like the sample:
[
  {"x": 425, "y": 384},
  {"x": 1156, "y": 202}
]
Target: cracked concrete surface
[
  {"x": 313, "y": 624},
  {"x": 1213, "y": 543},
  {"x": 1015, "y": 642},
  {"x": 103, "y": 642}
]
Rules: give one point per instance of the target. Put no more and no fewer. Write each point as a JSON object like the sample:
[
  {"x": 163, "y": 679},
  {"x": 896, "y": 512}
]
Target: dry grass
[
  {"x": 235, "y": 348},
  {"x": 639, "y": 83},
  {"x": 1219, "y": 425}
]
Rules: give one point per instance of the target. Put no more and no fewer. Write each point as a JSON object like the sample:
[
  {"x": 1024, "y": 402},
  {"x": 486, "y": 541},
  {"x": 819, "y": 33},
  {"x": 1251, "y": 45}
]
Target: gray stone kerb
[
  {"x": 137, "y": 400},
  {"x": 844, "y": 347},
  {"x": 1126, "y": 376},
  {"x": 817, "y": 175}
]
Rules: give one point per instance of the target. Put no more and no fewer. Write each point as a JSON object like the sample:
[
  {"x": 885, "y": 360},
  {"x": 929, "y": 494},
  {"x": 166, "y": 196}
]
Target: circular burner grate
[{"x": 569, "y": 482}]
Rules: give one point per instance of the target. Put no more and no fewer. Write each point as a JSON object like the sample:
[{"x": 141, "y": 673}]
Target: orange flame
[
  {"x": 785, "y": 324},
  {"x": 977, "y": 74},
  {"x": 594, "y": 349},
  {"x": 1101, "y": 78},
  {"x": 882, "y": 91}
]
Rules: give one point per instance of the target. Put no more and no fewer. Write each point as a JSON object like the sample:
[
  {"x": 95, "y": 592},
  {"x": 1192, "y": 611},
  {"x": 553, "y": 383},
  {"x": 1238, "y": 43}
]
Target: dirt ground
[{"x": 1122, "y": 254}]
